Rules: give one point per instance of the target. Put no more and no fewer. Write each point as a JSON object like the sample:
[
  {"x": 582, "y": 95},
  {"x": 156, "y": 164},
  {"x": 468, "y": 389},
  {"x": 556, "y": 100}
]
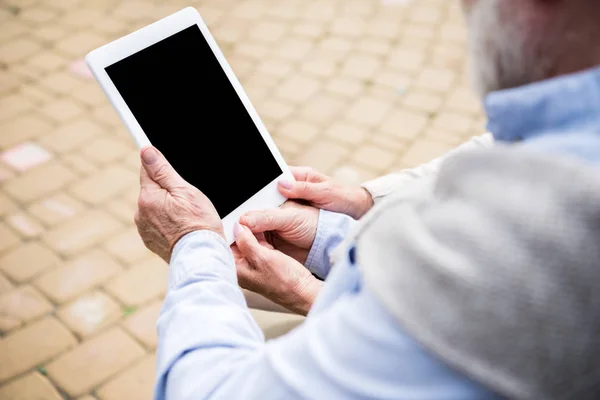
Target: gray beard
[{"x": 499, "y": 55}]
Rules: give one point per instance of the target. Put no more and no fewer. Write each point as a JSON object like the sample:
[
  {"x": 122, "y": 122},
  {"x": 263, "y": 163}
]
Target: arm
[{"x": 209, "y": 346}]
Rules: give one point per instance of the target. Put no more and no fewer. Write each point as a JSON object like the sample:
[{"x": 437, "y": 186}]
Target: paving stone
[
  {"x": 27, "y": 261},
  {"x": 79, "y": 44},
  {"x": 94, "y": 361},
  {"x": 60, "y": 82},
  {"x": 6, "y": 205},
  {"x": 71, "y": 135},
  {"x": 142, "y": 324},
  {"x": 347, "y": 133},
  {"x": 322, "y": 156},
  {"x": 55, "y": 209},
  {"x": 21, "y": 129},
  {"x": 404, "y": 124},
  {"x": 424, "y": 151},
  {"x": 32, "y": 346},
  {"x": 453, "y": 122},
  {"x": 422, "y": 101},
  {"x": 62, "y": 110},
  {"x": 136, "y": 383},
  {"x": 368, "y": 111},
  {"x": 5, "y": 285},
  {"x": 105, "y": 184},
  {"x": 20, "y": 306},
  {"x": 25, "y": 225},
  {"x": 35, "y": 183},
  {"x": 127, "y": 289},
  {"x": 361, "y": 66},
  {"x": 374, "y": 157},
  {"x": 16, "y": 50},
  {"x": 322, "y": 109},
  {"x": 435, "y": 79},
  {"x": 13, "y": 105},
  {"x": 103, "y": 150},
  {"x": 89, "y": 313},
  {"x": 77, "y": 276},
  {"x": 9, "y": 238},
  {"x": 81, "y": 232},
  {"x": 299, "y": 131},
  {"x": 32, "y": 386}
]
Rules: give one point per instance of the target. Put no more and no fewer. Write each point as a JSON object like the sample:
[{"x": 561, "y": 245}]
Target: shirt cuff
[
  {"x": 331, "y": 230},
  {"x": 200, "y": 252}
]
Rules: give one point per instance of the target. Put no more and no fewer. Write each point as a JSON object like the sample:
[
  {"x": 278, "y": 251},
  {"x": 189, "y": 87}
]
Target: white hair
[{"x": 502, "y": 56}]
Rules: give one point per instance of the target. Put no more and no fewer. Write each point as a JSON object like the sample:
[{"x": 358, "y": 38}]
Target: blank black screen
[{"x": 184, "y": 102}]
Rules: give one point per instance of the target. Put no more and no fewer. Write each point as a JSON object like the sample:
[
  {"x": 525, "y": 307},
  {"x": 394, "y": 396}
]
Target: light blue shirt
[{"x": 349, "y": 347}]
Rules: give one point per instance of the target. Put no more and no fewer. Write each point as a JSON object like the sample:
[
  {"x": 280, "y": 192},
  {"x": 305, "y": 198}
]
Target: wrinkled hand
[
  {"x": 272, "y": 274},
  {"x": 169, "y": 207},
  {"x": 291, "y": 228},
  {"x": 322, "y": 192}
]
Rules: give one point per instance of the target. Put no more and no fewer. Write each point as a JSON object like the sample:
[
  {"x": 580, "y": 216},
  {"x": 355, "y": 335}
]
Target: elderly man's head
[{"x": 515, "y": 42}]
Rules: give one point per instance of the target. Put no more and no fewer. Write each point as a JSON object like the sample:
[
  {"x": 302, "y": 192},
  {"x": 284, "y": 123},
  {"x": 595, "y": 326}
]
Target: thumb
[
  {"x": 249, "y": 246},
  {"x": 269, "y": 220},
  {"x": 303, "y": 190},
  {"x": 159, "y": 170}
]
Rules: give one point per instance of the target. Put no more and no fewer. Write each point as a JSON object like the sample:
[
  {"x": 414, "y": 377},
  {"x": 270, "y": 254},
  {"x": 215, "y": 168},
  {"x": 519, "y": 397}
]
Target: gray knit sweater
[{"x": 497, "y": 270}]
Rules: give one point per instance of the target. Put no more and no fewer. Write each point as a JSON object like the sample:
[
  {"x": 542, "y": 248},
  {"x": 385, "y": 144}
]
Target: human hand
[
  {"x": 291, "y": 228},
  {"x": 169, "y": 207},
  {"x": 270, "y": 273},
  {"x": 322, "y": 192}
]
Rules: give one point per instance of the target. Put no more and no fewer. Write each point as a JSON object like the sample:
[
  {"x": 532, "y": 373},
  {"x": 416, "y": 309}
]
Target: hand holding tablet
[{"x": 173, "y": 88}]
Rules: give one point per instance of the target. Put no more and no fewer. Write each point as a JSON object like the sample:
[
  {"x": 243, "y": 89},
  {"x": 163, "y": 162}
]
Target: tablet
[{"x": 173, "y": 88}]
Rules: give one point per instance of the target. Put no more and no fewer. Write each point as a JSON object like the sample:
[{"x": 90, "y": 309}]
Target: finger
[
  {"x": 159, "y": 170},
  {"x": 145, "y": 181},
  {"x": 309, "y": 191},
  {"x": 269, "y": 220},
  {"x": 249, "y": 246},
  {"x": 307, "y": 174}
]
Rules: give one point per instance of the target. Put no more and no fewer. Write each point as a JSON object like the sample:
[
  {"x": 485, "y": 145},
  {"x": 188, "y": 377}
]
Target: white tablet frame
[{"x": 102, "y": 57}]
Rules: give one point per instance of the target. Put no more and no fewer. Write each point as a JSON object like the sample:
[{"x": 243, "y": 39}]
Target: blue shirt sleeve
[
  {"x": 349, "y": 348},
  {"x": 331, "y": 231}
]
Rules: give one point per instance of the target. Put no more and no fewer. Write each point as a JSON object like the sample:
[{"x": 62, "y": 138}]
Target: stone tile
[
  {"x": 405, "y": 59},
  {"x": 31, "y": 386},
  {"x": 27, "y": 261},
  {"x": 322, "y": 156},
  {"x": 268, "y": 31},
  {"x": 374, "y": 157},
  {"x": 298, "y": 89},
  {"x": 122, "y": 209},
  {"x": 37, "y": 15},
  {"x": 36, "y": 93},
  {"x": 25, "y": 156},
  {"x": 322, "y": 109},
  {"x": 368, "y": 111},
  {"x": 374, "y": 46},
  {"x": 404, "y": 124},
  {"x": 107, "y": 116},
  {"x": 321, "y": 68},
  {"x": 11, "y": 29},
  {"x": 275, "y": 110},
  {"x": 94, "y": 361},
  {"x": 453, "y": 122},
  {"x": 9, "y": 238},
  {"x": 55, "y": 209},
  {"x": 127, "y": 247},
  {"x": 352, "y": 27},
  {"x": 16, "y": 50},
  {"x": 127, "y": 289},
  {"x": 79, "y": 164},
  {"x": 49, "y": 33},
  {"x": 7, "y": 206},
  {"x": 62, "y": 110},
  {"x": 435, "y": 79},
  {"x": 422, "y": 101},
  {"x": 294, "y": 49},
  {"x": 89, "y": 94},
  {"x": 5, "y": 285},
  {"x": 24, "y": 225},
  {"x": 60, "y": 82},
  {"x": 21, "y": 129},
  {"x": 103, "y": 150},
  {"x": 32, "y": 346},
  {"x": 345, "y": 87},
  {"x": 142, "y": 324},
  {"x": 20, "y": 306},
  {"x": 105, "y": 184},
  {"x": 39, "y": 182},
  {"x": 464, "y": 100},
  {"x": 136, "y": 383},
  {"x": 424, "y": 14},
  {"x": 77, "y": 276},
  {"x": 79, "y": 44},
  {"x": 13, "y": 105},
  {"x": 71, "y": 135},
  {"x": 299, "y": 131},
  {"x": 362, "y": 67},
  {"x": 346, "y": 133},
  {"x": 424, "y": 151},
  {"x": 89, "y": 313}
]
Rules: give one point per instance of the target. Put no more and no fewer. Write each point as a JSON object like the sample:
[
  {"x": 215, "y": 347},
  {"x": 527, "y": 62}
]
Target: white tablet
[{"x": 172, "y": 87}]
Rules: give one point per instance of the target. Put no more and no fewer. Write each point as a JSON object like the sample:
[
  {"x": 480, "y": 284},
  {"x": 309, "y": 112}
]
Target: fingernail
[
  {"x": 149, "y": 156},
  {"x": 286, "y": 184},
  {"x": 237, "y": 229}
]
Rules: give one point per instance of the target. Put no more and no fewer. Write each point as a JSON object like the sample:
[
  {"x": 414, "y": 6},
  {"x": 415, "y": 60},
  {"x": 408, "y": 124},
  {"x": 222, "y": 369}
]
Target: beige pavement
[{"x": 355, "y": 88}]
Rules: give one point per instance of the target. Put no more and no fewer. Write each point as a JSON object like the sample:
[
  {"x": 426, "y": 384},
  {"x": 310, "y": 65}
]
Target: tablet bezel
[{"x": 102, "y": 57}]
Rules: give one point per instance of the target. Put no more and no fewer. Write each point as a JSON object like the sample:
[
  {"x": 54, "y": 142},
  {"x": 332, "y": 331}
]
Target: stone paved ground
[{"x": 355, "y": 88}]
